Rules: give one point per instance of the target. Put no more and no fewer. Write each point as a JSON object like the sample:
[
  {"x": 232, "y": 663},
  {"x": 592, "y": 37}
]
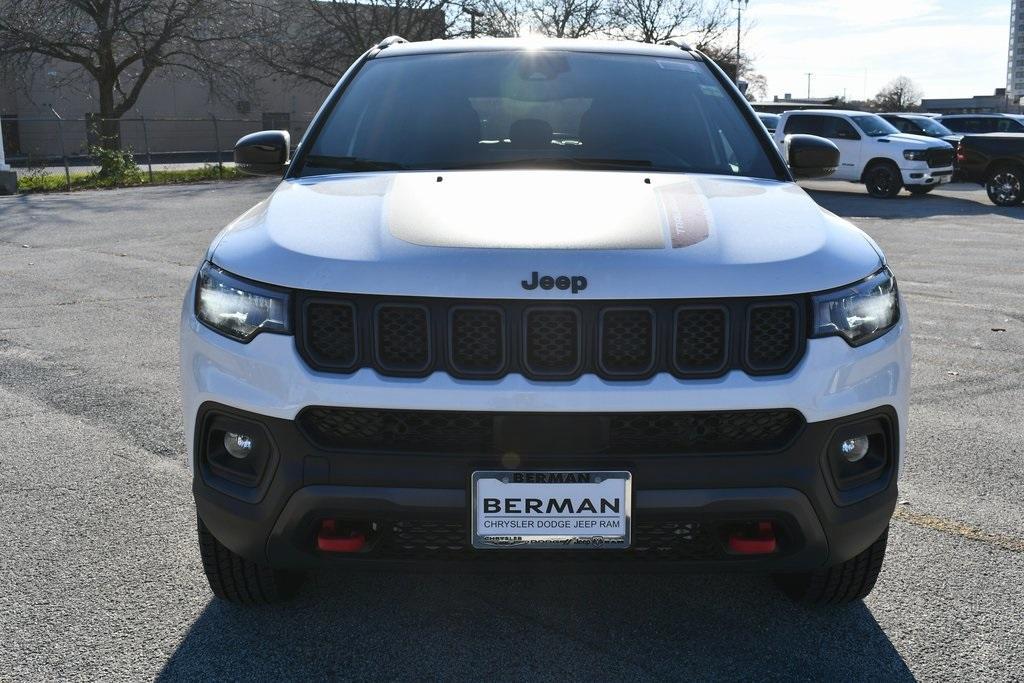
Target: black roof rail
[
  {"x": 389, "y": 41},
  {"x": 675, "y": 43}
]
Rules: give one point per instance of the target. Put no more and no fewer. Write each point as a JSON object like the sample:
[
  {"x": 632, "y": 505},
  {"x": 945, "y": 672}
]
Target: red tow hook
[
  {"x": 760, "y": 543},
  {"x": 329, "y": 540}
]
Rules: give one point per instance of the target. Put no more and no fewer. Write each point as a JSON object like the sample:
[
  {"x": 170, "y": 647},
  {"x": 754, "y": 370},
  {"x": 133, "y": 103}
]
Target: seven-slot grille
[{"x": 489, "y": 339}]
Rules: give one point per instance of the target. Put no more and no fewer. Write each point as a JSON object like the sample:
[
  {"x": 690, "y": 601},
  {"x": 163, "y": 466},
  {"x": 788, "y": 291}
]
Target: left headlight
[
  {"x": 916, "y": 155},
  {"x": 858, "y": 313},
  {"x": 237, "y": 308}
]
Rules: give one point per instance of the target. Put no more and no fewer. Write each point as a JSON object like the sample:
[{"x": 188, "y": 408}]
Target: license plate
[{"x": 565, "y": 509}]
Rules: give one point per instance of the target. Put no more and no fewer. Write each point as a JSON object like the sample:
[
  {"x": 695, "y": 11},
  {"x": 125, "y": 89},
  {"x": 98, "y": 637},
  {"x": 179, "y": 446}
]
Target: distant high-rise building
[{"x": 1015, "y": 60}]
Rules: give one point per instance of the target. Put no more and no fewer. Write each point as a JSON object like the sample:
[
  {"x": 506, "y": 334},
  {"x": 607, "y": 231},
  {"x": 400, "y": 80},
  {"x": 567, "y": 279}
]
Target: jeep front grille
[
  {"x": 485, "y": 433},
  {"x": 406, "y": 337}
]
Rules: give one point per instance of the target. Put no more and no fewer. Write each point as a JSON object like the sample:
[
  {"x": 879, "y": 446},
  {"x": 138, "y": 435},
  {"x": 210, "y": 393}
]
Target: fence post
[
  {"x": 63, "y": 151},
  {"x": 145, "y": 139},
  {"x": 216, "y": 136}
]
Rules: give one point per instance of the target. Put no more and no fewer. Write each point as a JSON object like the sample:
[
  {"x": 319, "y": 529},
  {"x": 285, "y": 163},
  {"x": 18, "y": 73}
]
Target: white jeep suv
[
  {"x": 542, "y": 306},
  {"x": 874, "y": 152}
]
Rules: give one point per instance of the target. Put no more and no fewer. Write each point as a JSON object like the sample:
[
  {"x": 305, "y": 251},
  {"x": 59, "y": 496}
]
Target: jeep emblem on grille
[{"x": 577, "y": 283}]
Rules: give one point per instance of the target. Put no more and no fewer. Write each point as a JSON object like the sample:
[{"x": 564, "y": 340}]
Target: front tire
[
  {"x": 1005, "y": 186},
  {"x": 235, "y": 579},
  {"x": 920, "y": 190},
  {"x": 845, "y": 582},
  {"x": 883, "y": 180}
]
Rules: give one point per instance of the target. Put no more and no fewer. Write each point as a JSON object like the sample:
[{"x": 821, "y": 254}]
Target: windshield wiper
[
  {"x": 352, "y": 163},
  {"x": 571, "y": 162}
]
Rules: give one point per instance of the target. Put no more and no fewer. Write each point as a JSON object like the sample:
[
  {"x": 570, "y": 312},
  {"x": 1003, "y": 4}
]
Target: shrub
[{"x": 117, "y": 167}]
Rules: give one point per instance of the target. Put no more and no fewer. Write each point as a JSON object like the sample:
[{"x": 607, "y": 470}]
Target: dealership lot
[{"x": 99, "y": 570}]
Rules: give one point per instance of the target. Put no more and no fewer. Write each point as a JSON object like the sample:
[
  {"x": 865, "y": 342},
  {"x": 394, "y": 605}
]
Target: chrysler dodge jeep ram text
[{"x": 542, "y": 306}]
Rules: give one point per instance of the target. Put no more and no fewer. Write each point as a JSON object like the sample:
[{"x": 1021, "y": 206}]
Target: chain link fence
[{"x": 42, "y": 143}]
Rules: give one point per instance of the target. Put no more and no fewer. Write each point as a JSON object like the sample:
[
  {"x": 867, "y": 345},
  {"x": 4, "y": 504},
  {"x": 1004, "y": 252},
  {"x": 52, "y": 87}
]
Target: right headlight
[
  {"x": 238, "y": 308},
  {"x": 858, "y": 313}
]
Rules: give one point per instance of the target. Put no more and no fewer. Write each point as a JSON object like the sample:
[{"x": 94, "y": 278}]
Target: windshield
[
  {"x": 535, "y": 108},
  {"x": 874, "y": 126},
  {"x": 770, "y": 120},
  {"x": 931, "y": 126}
]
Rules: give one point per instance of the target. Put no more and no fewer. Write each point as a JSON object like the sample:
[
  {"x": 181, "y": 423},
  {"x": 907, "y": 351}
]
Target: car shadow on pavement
[
  {"x": 856, "y": 203},
  {"x": 603, "y": 627}
]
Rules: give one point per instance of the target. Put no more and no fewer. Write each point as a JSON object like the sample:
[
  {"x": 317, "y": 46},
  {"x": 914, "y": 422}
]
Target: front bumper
[
  {"x": 926, "y": 175},
  {"x": 411, "y": 497}
]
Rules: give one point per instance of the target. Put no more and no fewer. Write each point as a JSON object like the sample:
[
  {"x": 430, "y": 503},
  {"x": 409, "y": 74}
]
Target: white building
[{"x": 1015, "y": 59}]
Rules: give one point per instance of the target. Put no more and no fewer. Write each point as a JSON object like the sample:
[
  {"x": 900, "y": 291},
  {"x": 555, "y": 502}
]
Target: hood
[
  {"x": 911, "y": 141},
  {"x": 485, "y": 233}
]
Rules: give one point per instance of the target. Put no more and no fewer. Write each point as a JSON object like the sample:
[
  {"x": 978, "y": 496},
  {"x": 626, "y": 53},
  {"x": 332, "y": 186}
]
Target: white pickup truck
[{"x": 874, "y": 152}]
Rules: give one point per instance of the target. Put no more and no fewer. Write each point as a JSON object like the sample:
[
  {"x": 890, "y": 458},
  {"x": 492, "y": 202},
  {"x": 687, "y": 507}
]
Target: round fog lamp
[
  {"x": 238, "y": 445},
  {"x": 854, "y": 449}
]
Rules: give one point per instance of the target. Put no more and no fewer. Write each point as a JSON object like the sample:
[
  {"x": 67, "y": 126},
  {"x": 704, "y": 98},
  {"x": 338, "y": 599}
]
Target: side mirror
[
  {"x": 263, "y": 153},
  {"x": 810, "y": 156}
]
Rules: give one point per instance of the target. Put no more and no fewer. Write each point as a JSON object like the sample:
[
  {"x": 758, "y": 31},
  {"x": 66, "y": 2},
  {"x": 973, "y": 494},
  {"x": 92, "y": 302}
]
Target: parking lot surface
[{"x": 99, "y": 570}]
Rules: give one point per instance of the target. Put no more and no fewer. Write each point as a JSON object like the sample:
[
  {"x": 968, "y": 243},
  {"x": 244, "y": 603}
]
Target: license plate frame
[{"x": 553, "y": 525}]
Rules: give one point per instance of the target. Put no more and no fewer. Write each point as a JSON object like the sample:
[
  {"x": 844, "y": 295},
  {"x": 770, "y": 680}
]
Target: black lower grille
[
  {"x": 401, "y": 336},
  {"x": 416, "y": 431},
  {"x": 446, "y": 540}
]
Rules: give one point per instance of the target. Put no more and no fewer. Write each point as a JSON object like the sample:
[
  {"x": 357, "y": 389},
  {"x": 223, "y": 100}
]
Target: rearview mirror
[
  {"x": 263, "y": 153},
  {"x": 810, "y": 156}
]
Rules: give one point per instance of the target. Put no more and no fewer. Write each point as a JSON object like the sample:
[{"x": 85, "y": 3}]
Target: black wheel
[
  {"x": 920, "y": 190},
  {"x": 846, "y": 582},
  {"x": 1005, "y": 186},
  {"x": 236, "y": 579},
  {"x": 883, "y": 181}
]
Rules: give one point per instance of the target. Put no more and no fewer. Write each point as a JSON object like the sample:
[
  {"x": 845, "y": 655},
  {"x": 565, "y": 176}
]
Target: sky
[{"x": 950, "y": 48}]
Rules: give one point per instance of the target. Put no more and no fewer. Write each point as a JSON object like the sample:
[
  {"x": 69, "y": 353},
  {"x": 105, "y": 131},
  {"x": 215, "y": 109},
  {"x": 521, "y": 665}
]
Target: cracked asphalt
[{"x": 99, "y": 570}]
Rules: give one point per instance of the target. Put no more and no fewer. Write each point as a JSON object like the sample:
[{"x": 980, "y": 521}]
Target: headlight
[
  {"x": 237, "y": 308},
  {"x": 860, "y": 312},
  {"x": 916, "y": 155}
]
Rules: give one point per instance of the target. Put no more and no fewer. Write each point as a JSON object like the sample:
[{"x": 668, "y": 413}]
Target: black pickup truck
[{"x": 995, "y": 160}]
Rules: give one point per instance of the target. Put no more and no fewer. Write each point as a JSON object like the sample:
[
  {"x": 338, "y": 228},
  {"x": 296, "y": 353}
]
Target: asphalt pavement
[{"x": 99, "y": 570}]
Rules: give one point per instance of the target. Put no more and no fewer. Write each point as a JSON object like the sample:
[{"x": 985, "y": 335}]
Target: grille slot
[
  {"x": 772, "y": 337},
  {"x": 415, "y": 431},
  {"x": 627, "y": 341},
  {"x": 701, "y": 339},
  {"x": 552, "y": 341},
  {"x": 477, "y": 340},
  {"x": 331, "y": 330},
  {"x": 403, "y": 338},
  {"x": 488, "y": 339}
]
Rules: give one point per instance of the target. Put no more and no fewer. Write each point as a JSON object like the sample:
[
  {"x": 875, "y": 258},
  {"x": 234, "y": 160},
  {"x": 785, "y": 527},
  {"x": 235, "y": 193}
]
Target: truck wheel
[
  {"x": 883, "y": 180},
  {"x": 845, "y": 582},
  {"x": 1005, "y": 186},
  {"x": 236, "y": 579},
  {"x": 920, "y": 190}
]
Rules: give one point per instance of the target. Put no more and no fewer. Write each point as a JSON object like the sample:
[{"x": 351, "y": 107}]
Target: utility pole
[
  {"x": 809, "y": 74},
  {"x": 740, "y": 5},
  {"x": 473, "y": 14}
]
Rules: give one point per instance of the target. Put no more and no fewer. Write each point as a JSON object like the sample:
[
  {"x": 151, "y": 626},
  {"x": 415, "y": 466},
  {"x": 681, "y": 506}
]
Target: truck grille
[
  {"x": 940, "y": 157},
  {"x": 489, "y": 339},
  {"x": 482, "y": 433}
]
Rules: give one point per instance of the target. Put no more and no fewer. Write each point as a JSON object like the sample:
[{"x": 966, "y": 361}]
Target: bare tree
[
  {"x": 702, "y": 22},
  {"x": 900, "y": 94},
  {"x": 314, "y": 41},
  {"x": 569, "y": 18},
  {"x": 118, "y": 44},
  {"x": 500, "y": 18}
]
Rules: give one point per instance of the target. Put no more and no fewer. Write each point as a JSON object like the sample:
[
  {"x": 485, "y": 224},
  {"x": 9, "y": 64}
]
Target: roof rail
[
  {"x": 389, "y": 41},
  {"x": 675, "y": 43}
]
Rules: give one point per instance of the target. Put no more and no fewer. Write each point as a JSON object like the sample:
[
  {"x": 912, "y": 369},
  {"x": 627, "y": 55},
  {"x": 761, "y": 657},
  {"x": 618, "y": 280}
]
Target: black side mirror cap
[
  {"x": 263, "y": 153},
  {"x": 810, "y": 156}
]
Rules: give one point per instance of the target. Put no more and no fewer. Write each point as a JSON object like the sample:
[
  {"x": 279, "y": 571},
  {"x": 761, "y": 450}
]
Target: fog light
[
  {"x": 855, "y": 449},
  {"x": 237, "y": 445}
]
